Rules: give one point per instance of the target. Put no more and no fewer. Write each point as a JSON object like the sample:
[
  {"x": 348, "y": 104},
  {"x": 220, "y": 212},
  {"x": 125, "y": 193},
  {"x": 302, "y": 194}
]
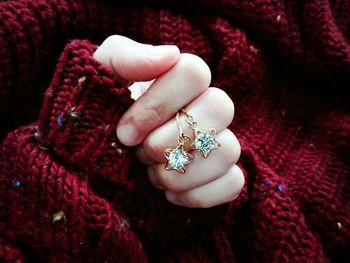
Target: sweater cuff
[{"x": 80, "y": 112}]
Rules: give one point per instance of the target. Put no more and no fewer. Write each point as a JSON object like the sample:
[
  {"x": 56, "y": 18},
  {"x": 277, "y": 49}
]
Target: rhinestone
[
  {"x": 205, "y": 142},
  {"x": 178, "y": 158}
]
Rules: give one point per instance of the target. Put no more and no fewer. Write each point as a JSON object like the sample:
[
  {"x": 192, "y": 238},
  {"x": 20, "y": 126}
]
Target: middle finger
[{"x": 212, "y": 109}]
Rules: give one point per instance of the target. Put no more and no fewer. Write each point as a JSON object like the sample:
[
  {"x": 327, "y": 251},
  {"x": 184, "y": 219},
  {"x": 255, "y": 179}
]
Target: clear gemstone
[
  {"x": 178, "y": 158},
  {"x": 205, "y": 142}
]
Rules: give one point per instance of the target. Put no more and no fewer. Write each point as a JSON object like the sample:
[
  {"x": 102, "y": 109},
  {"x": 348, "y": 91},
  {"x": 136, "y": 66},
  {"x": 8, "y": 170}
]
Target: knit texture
[{"x": 70, "y": 192}]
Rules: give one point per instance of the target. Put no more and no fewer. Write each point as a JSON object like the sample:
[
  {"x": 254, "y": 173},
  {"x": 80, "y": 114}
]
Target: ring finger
[
  {"x": 201, "y": 170},
  {"x": 222, "y": 190}
]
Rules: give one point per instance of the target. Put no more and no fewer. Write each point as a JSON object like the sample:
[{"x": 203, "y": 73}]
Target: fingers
[
  {"x": 201, "y": 170},
  {"x": 220, "y": 191},
  {"x": 182, "y": 80},
  {"x": 180, "y": 85},
  {"x": 135, "y": 61},
  {"x": 212, "y": 109}
]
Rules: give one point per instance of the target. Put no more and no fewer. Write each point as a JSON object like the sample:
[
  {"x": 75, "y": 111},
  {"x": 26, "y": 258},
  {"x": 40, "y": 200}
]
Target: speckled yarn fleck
[{"x": 70, "y": 192}]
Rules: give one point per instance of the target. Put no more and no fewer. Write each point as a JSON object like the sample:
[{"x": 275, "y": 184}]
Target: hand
[{"x": 181, "y": 81}]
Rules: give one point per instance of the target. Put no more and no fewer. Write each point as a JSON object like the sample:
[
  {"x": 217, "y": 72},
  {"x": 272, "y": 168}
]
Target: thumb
[{"x": 135, "y": 61}]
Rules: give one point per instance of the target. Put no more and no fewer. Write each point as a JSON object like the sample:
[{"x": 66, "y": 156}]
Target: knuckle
[
  {"x": 195, "y": 67},
  {"x": 231, "y": 180},
  {"x": 164, "y": 180},
  {"x": 193, "y": 200},
  {"x": 153, "y": 109},
  {"x": 222, "y": 104},
  {"x": 236, "y": 181},
  {"x": 232, "y": 148},
  {"x": 240, "y": 178},
  {"x": 147, "y": 115},
  {"x": 177, "y": 187}
]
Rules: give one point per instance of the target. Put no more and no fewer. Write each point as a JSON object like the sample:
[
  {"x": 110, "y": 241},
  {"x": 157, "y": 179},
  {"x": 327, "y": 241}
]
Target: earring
[
  {"x": 178, "y": 158},
  {"x": 203, "y": 141}
]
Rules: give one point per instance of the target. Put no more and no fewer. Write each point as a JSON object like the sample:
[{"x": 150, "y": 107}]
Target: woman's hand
[{"x": 181, "y": 81}]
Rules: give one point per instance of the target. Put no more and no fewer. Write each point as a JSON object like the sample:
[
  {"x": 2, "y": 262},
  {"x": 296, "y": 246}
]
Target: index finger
[{"x": 189, "y": 77}]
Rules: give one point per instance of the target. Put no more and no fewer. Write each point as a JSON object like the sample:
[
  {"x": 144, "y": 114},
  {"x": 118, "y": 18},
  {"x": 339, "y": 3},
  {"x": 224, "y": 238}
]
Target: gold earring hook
[
  {"x": 189, "y": 120},
  {"x": 182, "y": 138},
  {"x": 178, "y": 122}
]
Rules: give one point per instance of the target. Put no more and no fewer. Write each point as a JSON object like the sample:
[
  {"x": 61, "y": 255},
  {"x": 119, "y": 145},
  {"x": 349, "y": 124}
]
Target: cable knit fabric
[{"x": 70, "y": 192}]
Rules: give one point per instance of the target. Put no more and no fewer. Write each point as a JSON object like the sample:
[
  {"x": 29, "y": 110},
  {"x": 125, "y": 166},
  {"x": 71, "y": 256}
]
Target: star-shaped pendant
[
  {"x": 205, "y": 142},
  {"x": 177, "y": 158}
]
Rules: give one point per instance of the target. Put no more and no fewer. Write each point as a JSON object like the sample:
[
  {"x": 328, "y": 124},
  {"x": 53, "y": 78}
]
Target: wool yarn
[{"x": 70, "y": 192}]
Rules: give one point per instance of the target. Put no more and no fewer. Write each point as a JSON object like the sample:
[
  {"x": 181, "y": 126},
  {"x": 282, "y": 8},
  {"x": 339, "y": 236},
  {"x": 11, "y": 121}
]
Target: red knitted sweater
[{"x": 70, "y": 192}]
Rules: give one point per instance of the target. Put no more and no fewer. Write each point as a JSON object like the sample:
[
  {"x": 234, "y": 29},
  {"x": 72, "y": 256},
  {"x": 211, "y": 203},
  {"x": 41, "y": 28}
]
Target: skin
[{"x": 181, "y": 81}]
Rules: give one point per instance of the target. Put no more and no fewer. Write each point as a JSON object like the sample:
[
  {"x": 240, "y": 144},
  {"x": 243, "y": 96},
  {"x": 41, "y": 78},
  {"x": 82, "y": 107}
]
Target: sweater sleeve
[
  {"x": 47, "y": 200},
  {"x": 80, "y": 112}
]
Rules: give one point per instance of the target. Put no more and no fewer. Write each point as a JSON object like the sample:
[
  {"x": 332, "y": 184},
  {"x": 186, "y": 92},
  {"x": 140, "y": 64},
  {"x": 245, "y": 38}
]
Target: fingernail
[
  {"x": 127, "y": 134},
  {"x": 160, "y": 51}
]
